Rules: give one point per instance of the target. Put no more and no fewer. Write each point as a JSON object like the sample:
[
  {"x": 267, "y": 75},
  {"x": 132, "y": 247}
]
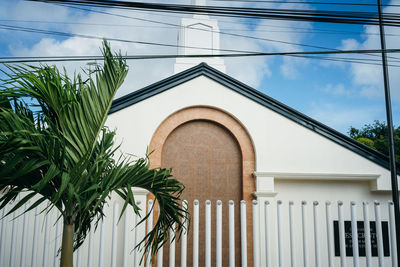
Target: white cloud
[
  {"x": 369, "y": 78},
  {"x": 144, "y": 72},
  {"x": 141, "y": 72}
]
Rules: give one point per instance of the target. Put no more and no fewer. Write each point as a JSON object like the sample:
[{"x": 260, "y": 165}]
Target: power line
[
  {"x": 311, "y": 31},
  {"x": 367, "y": 18},
  {"x": 48, "y": 32},
  {"x": 220, "y": 32},
  {"x": 8, "y": 60},
  {"x": 305, "y": 2},
  {"x": 84, "y": 23},
  {"x": 224, "y": 33},
  {"x": 33, "y": 30},
  {"x": 222, "y": 21}
]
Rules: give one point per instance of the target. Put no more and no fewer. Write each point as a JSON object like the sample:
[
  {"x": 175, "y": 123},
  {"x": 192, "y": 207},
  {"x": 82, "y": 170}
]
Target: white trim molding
[
  {"x": 265, "y": 181},
  {"x": 319, "y": 176}
]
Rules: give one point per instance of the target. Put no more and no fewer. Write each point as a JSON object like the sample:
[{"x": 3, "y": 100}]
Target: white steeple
[{"x": 198, "y": 35}]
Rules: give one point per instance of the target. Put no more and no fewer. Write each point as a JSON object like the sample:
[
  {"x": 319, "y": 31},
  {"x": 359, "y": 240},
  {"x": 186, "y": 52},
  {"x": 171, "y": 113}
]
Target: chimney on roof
[{"x": 199, "y": 36}]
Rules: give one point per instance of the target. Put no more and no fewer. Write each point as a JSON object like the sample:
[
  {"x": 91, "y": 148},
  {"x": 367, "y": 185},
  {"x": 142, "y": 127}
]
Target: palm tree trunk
[{"x": 67, "y": 247}]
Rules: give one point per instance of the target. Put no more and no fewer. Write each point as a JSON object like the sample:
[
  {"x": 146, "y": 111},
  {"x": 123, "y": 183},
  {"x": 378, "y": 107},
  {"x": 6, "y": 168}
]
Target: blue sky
[{"x": 338, "y": 94}]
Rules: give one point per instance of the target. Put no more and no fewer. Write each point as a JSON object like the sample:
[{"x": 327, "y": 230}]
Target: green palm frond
[{"x": 57, "y": 149}]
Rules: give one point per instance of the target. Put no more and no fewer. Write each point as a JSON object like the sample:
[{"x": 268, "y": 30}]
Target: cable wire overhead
[{"x": 366, "y": 18}]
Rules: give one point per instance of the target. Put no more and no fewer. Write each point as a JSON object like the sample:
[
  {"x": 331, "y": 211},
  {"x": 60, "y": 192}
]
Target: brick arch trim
[
  {"x": 220, "y": 117},
  {"x": 238, "y": 131}
]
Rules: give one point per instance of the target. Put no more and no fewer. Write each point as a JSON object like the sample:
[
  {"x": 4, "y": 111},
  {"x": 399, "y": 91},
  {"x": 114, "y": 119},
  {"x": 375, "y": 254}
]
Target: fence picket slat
[
  {"x": 329, "y": 233},
  {"x": 101, "y": 245},
  {"x": 231, "y": 233},
  {"x": 171, "y": 247},
  {"x": 3, "y": 236},
  {"x": 341, "y": 235},
  {"x": 256, "y": 230},
  {"x": 218, "y": 223},
  {"x": 34, "y": 246},
  {"x": 149, "y": 228},
  {"x": 304, "y": 232},
  {"x": 243, "y": 232},
  {"x": 136, "y": 256},
  {"x": 280, "y": 241},
  {"x": 393, "y": 243},
  {"x": 23, "y": 237},
  {"x": 367, "y": 235},
  {"x": 208, "y": 233},
  {"x": 378, "y": 225},
  {"x": 184, "y": 238},
  {"x": 12, "y": 246},
  {"x": 195, "y": 233},
  {"x": 114, "y": 235},
  {"x": 89, "y": 255},
  {"x": 267, "y": 246},
  {"x": 291, "y": 234},
  {"x": 57, "y": 242},
  {"x": 45, "y": 242},
  {"x": 316, "y": 234},
  {"x": 354, "y": 233}
]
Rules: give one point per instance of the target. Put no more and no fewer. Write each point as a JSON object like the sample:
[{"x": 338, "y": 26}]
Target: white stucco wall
[{"x": 284, "y": 149}]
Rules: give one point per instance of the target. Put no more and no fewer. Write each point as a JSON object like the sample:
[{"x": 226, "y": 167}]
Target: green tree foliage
[
  {"x": 55, "y": 149},
  {"x": 375, "y": 135}
]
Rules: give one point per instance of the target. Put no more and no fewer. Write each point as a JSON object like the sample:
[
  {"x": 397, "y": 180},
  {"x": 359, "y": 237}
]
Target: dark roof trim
[{"x": 245, "y": 90}]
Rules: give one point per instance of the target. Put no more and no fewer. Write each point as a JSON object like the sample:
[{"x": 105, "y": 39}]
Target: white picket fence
[{"x": 284, "y": 234}]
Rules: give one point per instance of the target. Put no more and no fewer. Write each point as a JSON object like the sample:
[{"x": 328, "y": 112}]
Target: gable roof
[{"x": 256, "y": 96}]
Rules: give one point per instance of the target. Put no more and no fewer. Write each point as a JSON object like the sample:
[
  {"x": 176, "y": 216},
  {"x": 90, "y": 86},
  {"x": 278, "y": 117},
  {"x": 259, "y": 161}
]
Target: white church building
[{"x": 227, "y": 141}]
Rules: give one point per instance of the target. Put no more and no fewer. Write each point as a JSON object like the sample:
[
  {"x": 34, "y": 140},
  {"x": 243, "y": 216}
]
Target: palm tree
[{"x": 55, "y": 148}]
